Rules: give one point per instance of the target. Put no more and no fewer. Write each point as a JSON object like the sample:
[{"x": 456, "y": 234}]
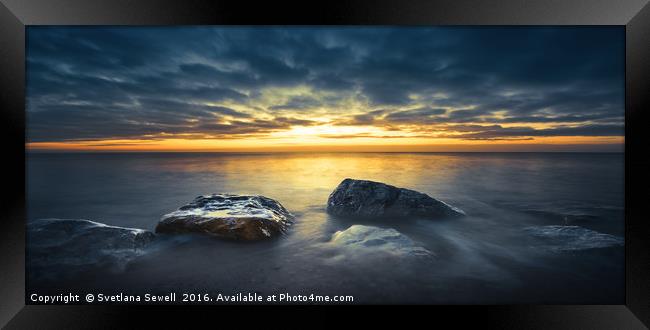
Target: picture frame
[{"x": 15, "y": 15}]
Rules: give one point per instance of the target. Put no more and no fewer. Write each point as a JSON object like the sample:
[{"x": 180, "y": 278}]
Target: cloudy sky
[{"x": 325, "y": 88}]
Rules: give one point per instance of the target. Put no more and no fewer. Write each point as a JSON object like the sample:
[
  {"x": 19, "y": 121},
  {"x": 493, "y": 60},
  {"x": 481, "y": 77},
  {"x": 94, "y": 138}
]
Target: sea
[{"x": 540, "y": 228}]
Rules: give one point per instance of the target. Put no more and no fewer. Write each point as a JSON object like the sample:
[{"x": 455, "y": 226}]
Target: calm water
[{"x": 486, "y": 257}]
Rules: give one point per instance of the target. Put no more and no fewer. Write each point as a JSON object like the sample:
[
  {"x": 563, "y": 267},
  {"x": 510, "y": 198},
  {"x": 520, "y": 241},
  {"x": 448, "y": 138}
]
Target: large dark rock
[
  {"x": 70, "y": 245},
  {"x": 362, "y": 198},
  {"x": 237, "y": 217}
]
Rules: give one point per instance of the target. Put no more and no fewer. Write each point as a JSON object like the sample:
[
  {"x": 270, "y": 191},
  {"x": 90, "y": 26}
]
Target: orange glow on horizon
[{"x": 325, "y": 144}]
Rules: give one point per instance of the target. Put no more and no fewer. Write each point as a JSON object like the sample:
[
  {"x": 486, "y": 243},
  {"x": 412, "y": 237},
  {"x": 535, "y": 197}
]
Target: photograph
[{"x": 325, "y": 164}]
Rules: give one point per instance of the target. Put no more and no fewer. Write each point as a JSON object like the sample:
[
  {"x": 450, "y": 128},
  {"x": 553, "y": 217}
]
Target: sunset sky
[{"x": 325, "y": 88}]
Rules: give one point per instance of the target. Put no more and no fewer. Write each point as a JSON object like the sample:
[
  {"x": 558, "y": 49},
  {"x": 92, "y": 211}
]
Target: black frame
[{"x": 16, "y": 14}]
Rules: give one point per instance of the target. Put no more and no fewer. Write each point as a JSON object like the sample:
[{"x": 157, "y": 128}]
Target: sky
[{"x": 325, "y": 88}]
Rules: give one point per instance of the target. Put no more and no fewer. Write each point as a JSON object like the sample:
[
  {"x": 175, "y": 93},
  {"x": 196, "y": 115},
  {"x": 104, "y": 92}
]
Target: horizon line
[{"x": 60, "y": 151}]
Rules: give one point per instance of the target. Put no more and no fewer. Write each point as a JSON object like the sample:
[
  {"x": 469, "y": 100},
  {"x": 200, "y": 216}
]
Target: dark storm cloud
[
  {"x": 499, "y": 132},
  {"x": 515, "y": 132},
  {"x": 127, "y": 82},
  {"x": 82, "y": 122},
  {"x": 364, "y": 119},
  {"x": 298, "y": 103},
  {"x": 413, "y": 114}
]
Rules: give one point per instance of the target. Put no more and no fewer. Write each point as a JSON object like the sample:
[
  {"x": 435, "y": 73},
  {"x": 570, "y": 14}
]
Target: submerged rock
[
  {"x": 375, "y": 199},
  {"x": 573, "y": 238},
  {"x": 73, "y": 244},
  {"x": 238, "y": 217},
  {"x": 564, "y": 218},
  {"x": 369, "y": 239}
]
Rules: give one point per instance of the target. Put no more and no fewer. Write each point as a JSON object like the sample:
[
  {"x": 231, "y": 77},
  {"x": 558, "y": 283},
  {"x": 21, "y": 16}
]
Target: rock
[
  {"x": 73, "y": 244},
  {"x": 564, "y": 218},
  {"x": 237, "y": 217},
  {"x": 362, "y": 198},
  {"x": 375, "y": 240},
  {"x": 572, "y": 238}
]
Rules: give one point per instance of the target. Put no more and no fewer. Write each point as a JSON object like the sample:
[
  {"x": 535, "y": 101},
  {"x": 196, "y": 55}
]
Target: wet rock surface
[
  {"x": 236, "y": 217},
  {"x": 572, "y": 238},
  {"x": 74, "y": 244},
  {"x": 370, "y": 199},
  {"x": 362, "y": 239}
]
